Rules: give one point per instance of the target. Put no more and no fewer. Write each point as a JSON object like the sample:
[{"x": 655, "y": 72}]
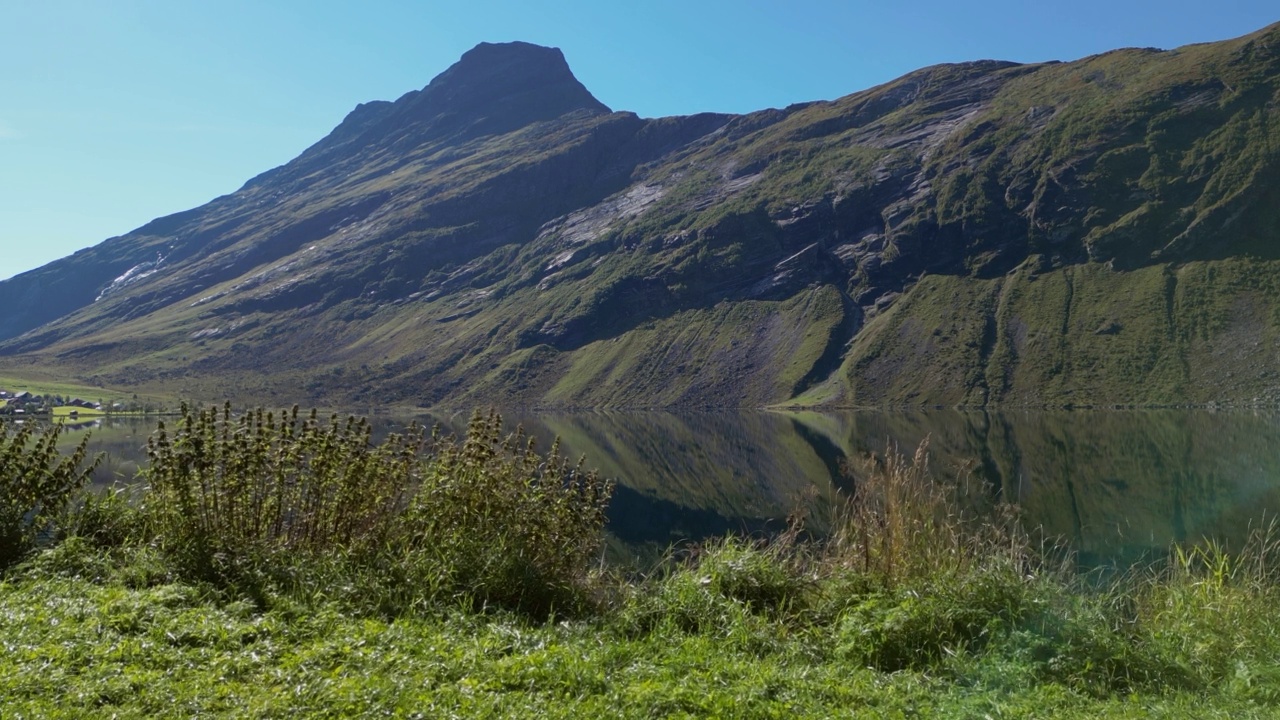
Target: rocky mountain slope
[{"x": 1096, "y": 232}]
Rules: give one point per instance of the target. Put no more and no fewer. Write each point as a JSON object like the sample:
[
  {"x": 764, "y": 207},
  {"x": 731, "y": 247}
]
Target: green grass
[
  {"x": 38, "y": 385},
  {"x": 16, "y": 380},
  {"x": 64, "y": 411},
  {"x": 164, "y": 652},
  {"x": 93, "y": 635}
]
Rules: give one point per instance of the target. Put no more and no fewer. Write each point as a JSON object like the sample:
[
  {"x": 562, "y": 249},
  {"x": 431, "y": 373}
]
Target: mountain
[{"x": 1100, "y": 232}]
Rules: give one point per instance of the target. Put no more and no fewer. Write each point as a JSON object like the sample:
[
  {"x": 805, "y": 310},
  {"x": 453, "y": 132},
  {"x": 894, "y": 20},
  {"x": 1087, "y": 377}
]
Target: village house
[{"x": 23, "y": 403}]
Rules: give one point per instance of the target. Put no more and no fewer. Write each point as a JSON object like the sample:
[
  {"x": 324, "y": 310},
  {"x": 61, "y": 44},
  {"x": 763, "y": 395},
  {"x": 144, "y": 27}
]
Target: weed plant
[
  {"x": 37, "y": 483},
  {"x": 236, "y": 494},
  {"x": 294, "y": 503}
]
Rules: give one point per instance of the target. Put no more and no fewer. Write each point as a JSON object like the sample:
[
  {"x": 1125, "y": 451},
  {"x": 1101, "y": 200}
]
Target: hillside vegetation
[{"x": 1098, "y": 232}]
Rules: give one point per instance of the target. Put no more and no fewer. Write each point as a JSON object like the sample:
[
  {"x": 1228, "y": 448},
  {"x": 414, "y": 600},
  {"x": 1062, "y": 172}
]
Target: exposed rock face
[{"x": 958, "y": 235}]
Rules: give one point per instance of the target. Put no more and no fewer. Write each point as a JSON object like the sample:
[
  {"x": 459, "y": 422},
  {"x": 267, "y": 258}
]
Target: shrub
[
  {"x": 111, "y": 517},
  {"x": 768, "y": 578},
  {"x": 916, "y": 627},
  {"x": 496, "y": 522},
  {"x": 36, "y": 484},
  {"x": 719, "y": 585}
]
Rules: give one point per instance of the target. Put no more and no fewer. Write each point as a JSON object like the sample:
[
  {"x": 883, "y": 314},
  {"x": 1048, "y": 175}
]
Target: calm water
[{"x": 1116, "y": 484}]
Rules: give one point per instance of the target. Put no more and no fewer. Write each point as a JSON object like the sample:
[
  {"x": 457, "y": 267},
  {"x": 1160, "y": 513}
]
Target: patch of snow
[
  {"x": 560, "y": 260},
  {"x": 138, "y": 272}
]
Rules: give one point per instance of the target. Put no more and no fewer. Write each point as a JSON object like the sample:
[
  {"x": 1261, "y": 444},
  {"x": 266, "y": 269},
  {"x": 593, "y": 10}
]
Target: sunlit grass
[{"x": 66, "y": 411}]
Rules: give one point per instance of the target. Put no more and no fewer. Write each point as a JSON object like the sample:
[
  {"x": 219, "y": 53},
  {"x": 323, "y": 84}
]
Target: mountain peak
[
  {"x": 492, "y": 89},
  {"x": 508, "y": 84}
]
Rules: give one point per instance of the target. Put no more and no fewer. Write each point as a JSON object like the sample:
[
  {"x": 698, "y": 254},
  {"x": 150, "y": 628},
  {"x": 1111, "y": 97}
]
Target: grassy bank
[
  {"x": 77, "y": 647},
  {"x": 283, "y": 566}
]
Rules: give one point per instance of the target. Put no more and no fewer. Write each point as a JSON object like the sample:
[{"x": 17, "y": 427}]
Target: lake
[{"x": 1117, "y": 485}]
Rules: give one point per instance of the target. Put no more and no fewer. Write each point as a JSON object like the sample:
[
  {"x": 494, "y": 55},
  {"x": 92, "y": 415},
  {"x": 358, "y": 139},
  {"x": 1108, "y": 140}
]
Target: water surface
[{"x": 1115, "y": 484}]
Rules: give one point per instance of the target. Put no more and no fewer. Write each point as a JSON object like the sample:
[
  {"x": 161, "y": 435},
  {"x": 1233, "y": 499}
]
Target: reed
[{"x": 902, "y": 523}]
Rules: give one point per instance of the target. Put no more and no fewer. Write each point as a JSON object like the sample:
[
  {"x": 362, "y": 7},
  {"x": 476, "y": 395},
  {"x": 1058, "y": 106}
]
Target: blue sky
[{"x": 116, "y": 112}]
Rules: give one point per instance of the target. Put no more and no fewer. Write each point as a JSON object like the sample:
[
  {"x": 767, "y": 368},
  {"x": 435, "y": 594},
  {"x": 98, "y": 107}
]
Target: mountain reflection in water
[{"x": 1115, "y": 484}]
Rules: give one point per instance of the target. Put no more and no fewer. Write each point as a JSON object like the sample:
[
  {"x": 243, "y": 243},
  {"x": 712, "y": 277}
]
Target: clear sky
[{"x": 114, "y": 112}]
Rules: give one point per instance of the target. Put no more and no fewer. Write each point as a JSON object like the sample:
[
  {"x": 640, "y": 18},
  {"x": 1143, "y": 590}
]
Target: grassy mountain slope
[
  {"x": 1095, "y": 232},
  {"x": 1089, "y": 335}
]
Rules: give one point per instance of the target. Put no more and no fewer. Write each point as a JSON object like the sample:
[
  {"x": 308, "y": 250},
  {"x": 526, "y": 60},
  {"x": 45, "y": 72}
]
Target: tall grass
[
  {"x": 1210, "y": 613},
  {"x": 913, "y": 577},
  {"x": 907, "y": 576},
  {"x": 902, "y": 523}
]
